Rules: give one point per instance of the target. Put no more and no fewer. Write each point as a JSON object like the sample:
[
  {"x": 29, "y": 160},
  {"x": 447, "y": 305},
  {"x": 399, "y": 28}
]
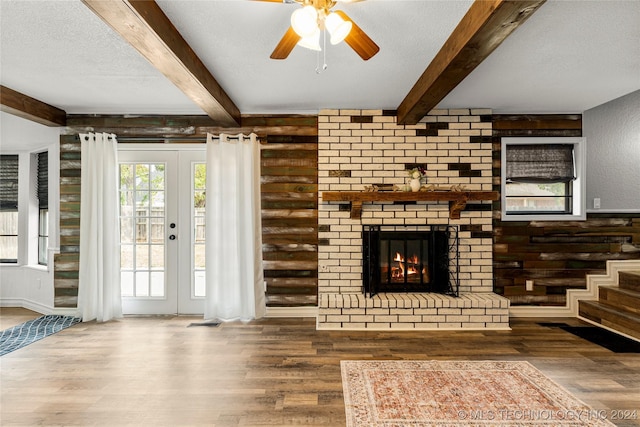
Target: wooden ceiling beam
[
  {"x": 24, "y": 106},
  {"x": 186, "y": 128},
  {"x": 145, "y": 26},
  {"x": 483, "y": 28}
]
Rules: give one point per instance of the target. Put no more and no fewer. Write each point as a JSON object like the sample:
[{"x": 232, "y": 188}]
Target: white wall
[
  {"x": 27, "y": 284},
  {"x": 612, "y": 131}
]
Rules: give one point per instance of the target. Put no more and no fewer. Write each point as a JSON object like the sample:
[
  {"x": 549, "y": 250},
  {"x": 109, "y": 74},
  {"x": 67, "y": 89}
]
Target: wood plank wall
[
  {"x": 289, "y": 185},
  {"x": 556, "y": 255},
  {"x": 290, "y": 220},
  {"x": 65, "y": 263}
]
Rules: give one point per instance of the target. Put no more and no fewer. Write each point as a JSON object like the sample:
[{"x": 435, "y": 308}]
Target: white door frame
[{"x": 179, "y": 298}]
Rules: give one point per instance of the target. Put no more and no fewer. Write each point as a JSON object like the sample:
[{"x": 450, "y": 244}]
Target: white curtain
[
  {"x": 234, "y": 278},
  {"x": 99, "y": 295}
]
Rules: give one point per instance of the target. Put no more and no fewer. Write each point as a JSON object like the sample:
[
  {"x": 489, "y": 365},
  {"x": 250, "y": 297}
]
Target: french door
[{"x": 162, "y": 229}]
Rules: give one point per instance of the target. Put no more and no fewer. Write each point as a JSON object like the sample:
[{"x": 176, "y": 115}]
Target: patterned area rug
[
  {"x": 19, "y": 336},
  {"x": 458, "y": 393}
]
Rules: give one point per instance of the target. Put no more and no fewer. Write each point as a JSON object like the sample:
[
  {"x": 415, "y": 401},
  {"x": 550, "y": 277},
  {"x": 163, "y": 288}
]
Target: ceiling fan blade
[
  {"x": 359, "y": 40},
  {"x": 286, "y": 44}
]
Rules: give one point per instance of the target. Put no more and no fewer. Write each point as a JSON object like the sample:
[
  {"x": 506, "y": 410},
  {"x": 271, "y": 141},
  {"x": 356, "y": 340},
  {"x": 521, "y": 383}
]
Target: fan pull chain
[{"x": 319, "y": 69}]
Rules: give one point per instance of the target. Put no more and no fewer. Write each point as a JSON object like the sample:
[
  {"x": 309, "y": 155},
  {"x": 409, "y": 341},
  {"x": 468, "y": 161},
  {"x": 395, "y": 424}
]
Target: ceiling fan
[{"x": 316, "y": 16}]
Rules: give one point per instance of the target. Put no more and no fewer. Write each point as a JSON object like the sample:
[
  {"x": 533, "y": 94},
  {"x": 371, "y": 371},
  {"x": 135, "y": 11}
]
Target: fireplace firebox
[{"x": 396, "y": 259}]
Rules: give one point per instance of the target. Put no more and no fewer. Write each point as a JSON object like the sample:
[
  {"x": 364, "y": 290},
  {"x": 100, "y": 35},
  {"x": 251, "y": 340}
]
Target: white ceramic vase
[{"x": 415, "y": 184}]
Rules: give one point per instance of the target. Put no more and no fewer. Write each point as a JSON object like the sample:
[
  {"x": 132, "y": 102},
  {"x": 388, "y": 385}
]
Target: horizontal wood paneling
[
  {"x": 66, "y": 263},
  {"x": 190, "y": 127},
  {"x": 556, "y": 255},
  {"x": 534, "y": 122},
  {"x": 289, "y": 194},
  {"x": 537, "y": 125}
]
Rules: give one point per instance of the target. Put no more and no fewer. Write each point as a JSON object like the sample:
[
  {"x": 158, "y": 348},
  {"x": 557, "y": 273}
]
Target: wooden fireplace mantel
[{"x": 457, "y": 199}]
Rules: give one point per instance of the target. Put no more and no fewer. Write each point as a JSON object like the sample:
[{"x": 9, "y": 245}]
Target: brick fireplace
[
  {"x": 409, "y": 259},
  {"x": 361, "y": 148}
]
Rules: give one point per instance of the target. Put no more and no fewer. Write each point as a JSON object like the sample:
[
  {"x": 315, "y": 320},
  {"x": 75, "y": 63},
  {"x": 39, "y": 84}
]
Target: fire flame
[{"x": 412, "y": 265}]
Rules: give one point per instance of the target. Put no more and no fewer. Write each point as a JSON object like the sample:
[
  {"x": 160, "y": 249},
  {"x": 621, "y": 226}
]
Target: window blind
[
  {"x": 9, "y": 182},
  {"x": 540, "y": 163},
  {"x": 43, "y": 180}
]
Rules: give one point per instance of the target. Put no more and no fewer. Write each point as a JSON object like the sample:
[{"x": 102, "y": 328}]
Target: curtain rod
[
  {"x": 167, "y": 140},
  {"x": 156, "y": 138}
]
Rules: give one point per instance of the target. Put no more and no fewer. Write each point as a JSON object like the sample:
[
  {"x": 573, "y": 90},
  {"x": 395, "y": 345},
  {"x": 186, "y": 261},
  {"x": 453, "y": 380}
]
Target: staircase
[{"x": 617, "y": 307}]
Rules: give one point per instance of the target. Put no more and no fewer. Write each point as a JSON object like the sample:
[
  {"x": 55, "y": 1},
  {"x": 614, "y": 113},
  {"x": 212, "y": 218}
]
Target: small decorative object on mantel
[
  {"x": 433, "y": 187},
  {"x": 417, "y": 176},
  {"x": 403, "y": 187},
  {"x": 374, "y": 188},
  {"x": 407, "y": 187}
]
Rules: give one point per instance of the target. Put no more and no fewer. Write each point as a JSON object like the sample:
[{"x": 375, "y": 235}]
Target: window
[
  {"x": 199, "y": 191},
  {"x": 9, "y": 208},
  {"x": 539, "y": 178},
  {"x": 43, "y": 207},
  {"x": 542, "y": 178}
]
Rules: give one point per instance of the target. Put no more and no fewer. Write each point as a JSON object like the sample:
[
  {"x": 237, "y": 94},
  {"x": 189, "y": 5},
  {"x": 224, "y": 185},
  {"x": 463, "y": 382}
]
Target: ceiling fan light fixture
[
  {"x": 305, "y": 21},
  {"x": 338, "y": 28},
  {"x": 311, "y": 42}
]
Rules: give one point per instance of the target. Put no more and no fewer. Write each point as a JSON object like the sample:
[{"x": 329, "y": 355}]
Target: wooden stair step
[
  {"x": 622, "y": 321},
  {"x": 629, "y": 280},
  {"x": 623, "y": 299}
]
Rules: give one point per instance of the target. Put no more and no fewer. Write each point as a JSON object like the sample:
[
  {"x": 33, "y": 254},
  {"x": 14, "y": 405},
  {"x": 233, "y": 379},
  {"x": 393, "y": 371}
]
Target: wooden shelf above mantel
[{"x": 457, "y": 199}]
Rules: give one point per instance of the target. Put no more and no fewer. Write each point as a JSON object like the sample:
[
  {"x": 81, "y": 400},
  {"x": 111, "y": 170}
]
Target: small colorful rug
[
  {"x": 458, "y": 393},
  {"x": 33, "y": 330}
]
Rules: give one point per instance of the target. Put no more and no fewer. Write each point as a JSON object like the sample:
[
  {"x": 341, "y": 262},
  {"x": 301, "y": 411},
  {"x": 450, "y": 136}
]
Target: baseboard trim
[
  {"x": 590, "y": 293},
  {"x": 380, "y": 328},
  {"x": 38, "y": 307},
  {"x": 72, "y": 311},
  {"x": 534, "y": 311}
]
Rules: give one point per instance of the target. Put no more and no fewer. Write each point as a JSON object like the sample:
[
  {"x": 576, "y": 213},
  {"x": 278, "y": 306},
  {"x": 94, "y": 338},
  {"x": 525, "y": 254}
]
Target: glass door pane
[
  {"x": 199, "y": 207},
  {"x": 142, "y": 218},
  {"x": 193, "y": 176},
  {"x": 147, "y": 254}
]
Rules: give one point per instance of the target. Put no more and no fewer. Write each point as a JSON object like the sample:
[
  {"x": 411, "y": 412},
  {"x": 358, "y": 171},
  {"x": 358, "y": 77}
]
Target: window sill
[
  {"x": 10, "y": 264},
  {"x": 38, "y": 267},
  {"x": 544, "y": 217},
  {"x": 43, "y": 268}
]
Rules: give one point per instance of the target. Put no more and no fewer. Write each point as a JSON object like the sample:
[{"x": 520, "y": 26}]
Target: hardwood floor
[
  {"x": 158, "y": 371},
  {"x": 10, "y": 317}
]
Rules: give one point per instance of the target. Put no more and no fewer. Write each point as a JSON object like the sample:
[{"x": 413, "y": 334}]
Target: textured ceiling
[{"x": 568, "y": 57}]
